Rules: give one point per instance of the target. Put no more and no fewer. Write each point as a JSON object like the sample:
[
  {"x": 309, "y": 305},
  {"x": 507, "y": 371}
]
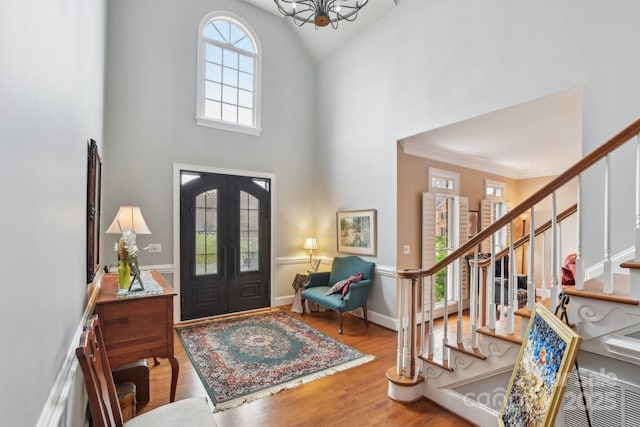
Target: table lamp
[
  {"x": 130, "y": 218},
  {"x": 310, "y": 244}
]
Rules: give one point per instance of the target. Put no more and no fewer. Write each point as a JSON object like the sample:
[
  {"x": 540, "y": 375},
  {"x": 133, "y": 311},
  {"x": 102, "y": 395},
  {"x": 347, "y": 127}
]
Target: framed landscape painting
[
  {"x": 356, "y": 232},
  {"x": 541, "y": 372}
]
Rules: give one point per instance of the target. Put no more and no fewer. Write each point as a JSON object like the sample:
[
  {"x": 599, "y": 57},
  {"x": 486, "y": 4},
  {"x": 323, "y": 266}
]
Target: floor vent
[{"x": 610, "y": 402}]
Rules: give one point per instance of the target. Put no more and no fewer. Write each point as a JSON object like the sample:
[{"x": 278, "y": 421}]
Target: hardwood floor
[{"x": 357, "y": 396}]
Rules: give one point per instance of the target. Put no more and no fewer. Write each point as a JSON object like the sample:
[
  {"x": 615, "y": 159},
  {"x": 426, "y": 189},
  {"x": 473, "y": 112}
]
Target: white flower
[{"x": 127, "y": 248}]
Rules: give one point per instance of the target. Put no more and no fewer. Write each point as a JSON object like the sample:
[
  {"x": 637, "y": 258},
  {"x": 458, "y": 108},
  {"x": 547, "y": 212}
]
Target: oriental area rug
[{"x": 240, "y": 359}]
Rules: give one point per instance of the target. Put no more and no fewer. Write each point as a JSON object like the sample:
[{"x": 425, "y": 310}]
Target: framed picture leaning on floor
[{"x": 547, "y": 355}]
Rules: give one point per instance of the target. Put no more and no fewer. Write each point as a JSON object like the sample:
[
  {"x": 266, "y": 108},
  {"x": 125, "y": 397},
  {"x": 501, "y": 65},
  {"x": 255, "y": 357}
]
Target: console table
[{"x": 137, "y": 327}]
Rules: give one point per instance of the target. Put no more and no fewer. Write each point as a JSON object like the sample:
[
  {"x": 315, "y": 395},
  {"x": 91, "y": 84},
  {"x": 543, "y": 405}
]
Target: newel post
[{"x": 404, "y": 379}]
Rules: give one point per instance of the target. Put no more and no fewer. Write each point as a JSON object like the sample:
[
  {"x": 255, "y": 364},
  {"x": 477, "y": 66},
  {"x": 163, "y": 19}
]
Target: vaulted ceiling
[
  {"x": 538, "y": 138},
  {"x": 321, "y": 42}
]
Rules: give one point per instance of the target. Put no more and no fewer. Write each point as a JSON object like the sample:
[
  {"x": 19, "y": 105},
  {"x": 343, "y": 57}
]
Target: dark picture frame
[
  {"x": 94, "y": 180},
  {"x": 356, "y": 232}
]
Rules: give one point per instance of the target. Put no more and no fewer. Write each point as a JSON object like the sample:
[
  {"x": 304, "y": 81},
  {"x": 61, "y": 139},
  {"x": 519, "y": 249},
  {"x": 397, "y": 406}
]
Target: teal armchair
[{"x": 341, "y": 269}]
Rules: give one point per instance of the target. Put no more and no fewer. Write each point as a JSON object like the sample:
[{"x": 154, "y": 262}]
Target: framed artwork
[
  {"x": 473, "y": 224},
  {"x": 313, "y": 267},
  {"x": 94, "y": 170},
  {"x": 540, "y": 375},
  {"x": 356, "y": 232}
]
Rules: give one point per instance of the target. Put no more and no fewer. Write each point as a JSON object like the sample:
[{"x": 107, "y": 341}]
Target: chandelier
[{"x": 320, "y": 12}]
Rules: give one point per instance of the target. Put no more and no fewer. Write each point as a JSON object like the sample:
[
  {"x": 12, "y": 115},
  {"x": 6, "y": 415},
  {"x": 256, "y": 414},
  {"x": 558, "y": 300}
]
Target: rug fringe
[{"x": 292, "y": 384}]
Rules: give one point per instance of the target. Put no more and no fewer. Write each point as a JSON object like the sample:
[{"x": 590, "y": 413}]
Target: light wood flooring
[{"x": 355, "y": 397}]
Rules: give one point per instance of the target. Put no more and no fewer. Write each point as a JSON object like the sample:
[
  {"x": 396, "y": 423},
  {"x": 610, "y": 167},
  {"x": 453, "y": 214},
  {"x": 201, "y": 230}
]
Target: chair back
[
  {"x": 498, "y": 271},
  {"x": 91, "y": 354},
  {"x": 343, "y": 267}
]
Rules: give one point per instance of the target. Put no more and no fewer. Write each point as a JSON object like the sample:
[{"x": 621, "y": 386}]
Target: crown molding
[{"x": 416, "y": 148}]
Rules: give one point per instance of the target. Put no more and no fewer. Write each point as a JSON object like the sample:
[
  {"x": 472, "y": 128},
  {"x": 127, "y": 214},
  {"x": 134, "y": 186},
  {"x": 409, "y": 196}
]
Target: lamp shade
[
  {"x": 128, "y": 218},
  {"x": 310, "y": 243}
]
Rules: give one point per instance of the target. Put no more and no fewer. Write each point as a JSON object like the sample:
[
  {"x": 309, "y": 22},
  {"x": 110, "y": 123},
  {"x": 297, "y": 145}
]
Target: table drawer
[{"x": 136, "y": 329}]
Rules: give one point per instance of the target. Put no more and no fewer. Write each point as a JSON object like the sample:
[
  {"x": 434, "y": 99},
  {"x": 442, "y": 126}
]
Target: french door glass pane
[
  {"x": 206, "y": 229},
  {"x": 249, "y": 232}
]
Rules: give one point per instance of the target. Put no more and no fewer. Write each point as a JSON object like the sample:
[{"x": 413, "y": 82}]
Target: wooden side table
[{"x": 137, "y": 327}]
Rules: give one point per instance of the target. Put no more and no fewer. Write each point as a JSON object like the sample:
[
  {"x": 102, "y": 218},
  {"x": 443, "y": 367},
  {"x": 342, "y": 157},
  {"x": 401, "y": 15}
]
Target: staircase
[{"x": 465, "y": 363}]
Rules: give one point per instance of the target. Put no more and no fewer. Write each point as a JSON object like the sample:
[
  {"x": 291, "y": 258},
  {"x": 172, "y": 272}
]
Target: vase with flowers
[{"x": 127, "y": 258}]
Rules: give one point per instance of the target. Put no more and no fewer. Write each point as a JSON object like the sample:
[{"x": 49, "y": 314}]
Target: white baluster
[
  {"x": 491, "y": 304},
  {"x": 445, "y": 339},
  {"x": 560, "y": 263},
  {"x": 579, "y": 265},
  {"x": 423, "y": 323},
  {"x": 544, "y": 287},
  {"x": 554, "y": 252},
  {"x": 474, "y": 301},
  {"x": 637, "y": 230},
  {"x": 607, "y": 279},
  {"x": 531, "y": 288},
  {"x": 432, "y": 304},
  {"x": 513, "y": 281},
  {"x": 399, "y": 346},
  {"x": 459, "y": 331}
]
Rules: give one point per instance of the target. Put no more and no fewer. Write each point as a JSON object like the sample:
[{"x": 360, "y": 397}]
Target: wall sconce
[
  {"x": 524, "y": 218},
  {"x": 310, "y": 244}
]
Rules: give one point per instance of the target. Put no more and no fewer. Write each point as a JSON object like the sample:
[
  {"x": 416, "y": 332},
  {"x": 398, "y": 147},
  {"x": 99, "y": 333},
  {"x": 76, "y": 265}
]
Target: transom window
[
  {"x": 494, "y": 190},
  {"x": 228, "y": 74},
  {"x": 444, "y": 181}
]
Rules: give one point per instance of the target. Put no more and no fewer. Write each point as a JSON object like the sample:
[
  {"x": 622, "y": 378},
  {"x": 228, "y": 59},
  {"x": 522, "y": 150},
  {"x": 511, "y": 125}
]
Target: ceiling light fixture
[{"x": 320, "y": 12}]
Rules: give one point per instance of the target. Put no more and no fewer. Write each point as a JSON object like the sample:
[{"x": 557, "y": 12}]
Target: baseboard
[
  {"x": 160, "y": 268},
  {"x": 598, "y": 268},
  {"x": 372, "y": 316}
]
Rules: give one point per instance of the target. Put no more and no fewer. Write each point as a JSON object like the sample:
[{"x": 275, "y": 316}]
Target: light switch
[
  {"x": 155, "y": 247},
  {"x": 406, "y": 249}
]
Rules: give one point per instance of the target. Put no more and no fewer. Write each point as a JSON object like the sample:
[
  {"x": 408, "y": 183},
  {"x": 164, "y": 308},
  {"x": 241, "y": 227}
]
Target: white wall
[
  {"x": 51, "y": 101},
  {"x": 432, "y": 63},
  {"x": 150, "y": 125}
]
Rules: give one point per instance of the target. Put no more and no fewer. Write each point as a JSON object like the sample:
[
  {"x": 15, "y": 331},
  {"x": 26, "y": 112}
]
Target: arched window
[{"x": 228, "y": 74}]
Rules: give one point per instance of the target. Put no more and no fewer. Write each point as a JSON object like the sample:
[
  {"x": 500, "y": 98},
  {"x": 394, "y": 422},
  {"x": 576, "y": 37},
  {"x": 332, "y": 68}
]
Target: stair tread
[
  {"x": 502, "y": 331},
  {"x": 514, "y": 338},
  {"x": 467, "y": 349},
  {"x": 593, "y": 290},
  {"x": 630, "y": 264},
  {"x": 525, "y": 312},
  {"x": 437, "y": 362},
  {"x": 438, "y": 333}
]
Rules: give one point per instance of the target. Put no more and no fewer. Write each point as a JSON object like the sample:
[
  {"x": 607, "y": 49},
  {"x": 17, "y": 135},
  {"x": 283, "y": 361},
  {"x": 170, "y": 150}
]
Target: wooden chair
[{"x": 103, "y": 401}]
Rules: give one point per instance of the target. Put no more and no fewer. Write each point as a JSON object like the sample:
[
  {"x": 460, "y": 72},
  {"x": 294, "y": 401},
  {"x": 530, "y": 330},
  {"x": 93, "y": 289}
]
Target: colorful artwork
[
  {"x": 541, "y": 372},
  {"x": 356, "y": 232}
]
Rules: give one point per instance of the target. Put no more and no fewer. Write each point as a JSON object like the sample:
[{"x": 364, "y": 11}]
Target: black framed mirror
[{"x": 94, "y": 169}]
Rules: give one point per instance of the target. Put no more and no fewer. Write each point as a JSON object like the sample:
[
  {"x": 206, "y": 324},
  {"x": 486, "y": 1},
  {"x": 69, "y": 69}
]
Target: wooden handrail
[
  {"x": 525, "y": 239},
  {"x": 586, "y": 162}
]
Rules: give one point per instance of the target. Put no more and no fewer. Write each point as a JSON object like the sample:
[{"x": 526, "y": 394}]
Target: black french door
[{"x": 225, "y": 259}]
